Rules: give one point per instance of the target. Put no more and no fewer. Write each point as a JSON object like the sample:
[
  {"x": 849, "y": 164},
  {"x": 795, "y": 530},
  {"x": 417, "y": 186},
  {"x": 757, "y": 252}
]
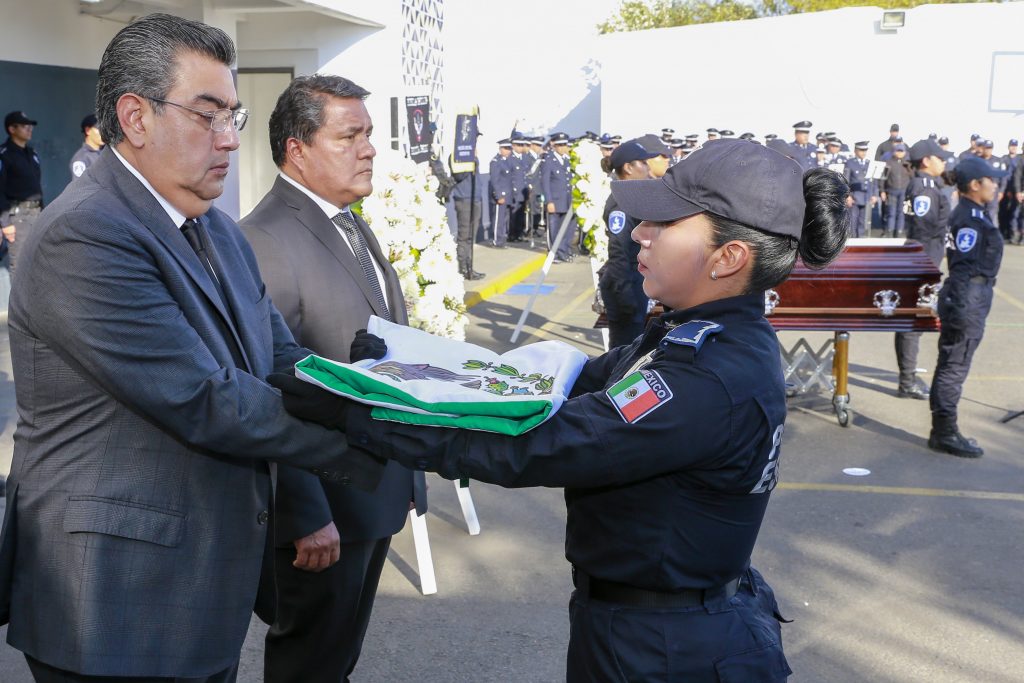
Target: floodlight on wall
[{"x": 892, "y": 21}]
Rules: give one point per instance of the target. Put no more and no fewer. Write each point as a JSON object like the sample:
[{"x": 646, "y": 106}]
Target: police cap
[
  {"x": 975, "y": 137},
  {"x": 899, "y": 147},
  {"x": 559, "y": 139},
  {"x": 802, "y": 127},
  {"x": 17, "y": 117},
  {"x": 668, "y": 131},
  {"x": 925, "y": 148},
  {"x": 652, "y": 143},
  {"x": 943, "y": 140},
  {"x": 712, "y": 131},
  {"x": 676, "y": 143},
  {"x": 771, "y": 136},
  {"x": 735, "y": 179},
  {"x": 628, "y": 151},
  {"x": 894, "y": 128},
  {"x": 987, "y": 144},
  {"x": 692, "y": 137},
  {"x": 834, "y": 142},
  {"x": 505, "y": 142},
  {"x": 975, "y": 168},
  {"x": 862, "y": 145},
  {"x": 747, "y": 136},
  {"x": 726, "y": 133},
  {"x": 1012, "y": 142}
]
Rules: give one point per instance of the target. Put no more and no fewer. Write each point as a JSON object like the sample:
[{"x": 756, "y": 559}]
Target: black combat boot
[{"x": 946, "y": 438}]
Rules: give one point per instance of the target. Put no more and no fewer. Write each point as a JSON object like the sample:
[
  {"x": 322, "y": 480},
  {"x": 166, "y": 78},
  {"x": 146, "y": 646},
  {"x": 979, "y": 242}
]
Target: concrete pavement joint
[
  {"x": 903, "y": 491},
  {"x": 510, "y": 277},
  {"x": 545, "y": 328},
  {"x": 1009, "y": 298}
]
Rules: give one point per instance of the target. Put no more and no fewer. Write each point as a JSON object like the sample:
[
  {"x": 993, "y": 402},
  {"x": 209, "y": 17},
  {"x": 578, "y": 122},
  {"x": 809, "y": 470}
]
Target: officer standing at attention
[
  {"x": 90, "y": 149},
  {"x": 668, "y": 448},
  {"x": 466, "y": 196},
  {"x": 501, "y": 193},
  {"x": 621, "y": 284},
  {"x": 712, "y": 134},
  {"x": 520, "y": 168},
  {"x": 927, "y": 223},
  {"x": 975, "y": 148},
  {"x": 21, "y": 183},
  {"x": 556, "y": 184},
  {"x": 803, "y": 150},
  {"x": 893, "y": 190},
  {"x": 1009, "y": 205},
  {"x": 985, "y": 150},
  {"x": 965, "y": 299},
  {"x": 862, "y": 190},
  {"x": 537, "y": 202}
]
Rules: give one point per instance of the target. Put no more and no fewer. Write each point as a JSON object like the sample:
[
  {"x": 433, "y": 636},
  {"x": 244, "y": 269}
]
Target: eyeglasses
[{"x": 219, "y": 119}]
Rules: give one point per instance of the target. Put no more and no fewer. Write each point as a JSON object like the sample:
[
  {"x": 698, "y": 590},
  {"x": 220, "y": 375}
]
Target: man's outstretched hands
[{"x": 309, "y": 402}]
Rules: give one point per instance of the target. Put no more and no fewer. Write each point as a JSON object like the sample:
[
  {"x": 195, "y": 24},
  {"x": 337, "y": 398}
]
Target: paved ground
[{"x": 909, "y": 574}]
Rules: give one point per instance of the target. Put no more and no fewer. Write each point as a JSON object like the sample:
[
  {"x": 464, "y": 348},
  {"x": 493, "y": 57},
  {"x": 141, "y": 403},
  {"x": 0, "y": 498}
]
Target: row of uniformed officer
[{"x": 501, "y": 192}]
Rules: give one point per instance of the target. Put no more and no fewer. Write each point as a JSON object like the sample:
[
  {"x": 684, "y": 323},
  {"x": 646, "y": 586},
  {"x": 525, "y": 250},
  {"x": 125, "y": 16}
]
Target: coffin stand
[{"x": 876, "y": 285}]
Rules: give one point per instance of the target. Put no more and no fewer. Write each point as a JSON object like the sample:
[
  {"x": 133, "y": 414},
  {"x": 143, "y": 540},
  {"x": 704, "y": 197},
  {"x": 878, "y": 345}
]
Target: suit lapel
[
  {"x": 316, "y": 221},
  {"x": 149, "y": 212},
  {"x": 225, "y": 261}
]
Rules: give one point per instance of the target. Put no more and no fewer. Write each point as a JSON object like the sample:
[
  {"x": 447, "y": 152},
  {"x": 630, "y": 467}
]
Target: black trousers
[
  {"x": 44, "y": 673},
  {"x": 726, "y": 639},
  {"x": 467, "y": 217},
  {"x": 907, "y": 345},
  {"x": 322, "y": 617},
  {"x": 956, "y": 351}
]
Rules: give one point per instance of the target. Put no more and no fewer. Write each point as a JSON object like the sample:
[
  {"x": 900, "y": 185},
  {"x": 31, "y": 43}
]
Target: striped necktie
[{"x": 348, "y": 225}]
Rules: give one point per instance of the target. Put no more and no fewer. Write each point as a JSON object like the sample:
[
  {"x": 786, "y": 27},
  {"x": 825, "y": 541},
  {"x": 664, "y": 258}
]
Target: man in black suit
[{"x": 326, "y": 273}]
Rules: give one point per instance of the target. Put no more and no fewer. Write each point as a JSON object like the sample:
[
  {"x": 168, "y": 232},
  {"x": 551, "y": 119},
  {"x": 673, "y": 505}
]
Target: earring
[{"x": 714, "y": 275}]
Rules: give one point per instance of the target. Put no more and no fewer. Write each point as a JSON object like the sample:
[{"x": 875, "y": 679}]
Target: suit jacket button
[{"x": 262, "y": 517}]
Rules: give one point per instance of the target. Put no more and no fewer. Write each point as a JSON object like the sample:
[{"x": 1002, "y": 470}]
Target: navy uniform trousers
[
  {"x": 612, "y": 643},
  {"x": 44, "y": 673},
  {"x": 564, "y": 251},
  {"x": 957, "y": 347}
]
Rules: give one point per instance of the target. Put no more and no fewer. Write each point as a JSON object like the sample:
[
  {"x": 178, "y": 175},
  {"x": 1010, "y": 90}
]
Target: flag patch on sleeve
[{"x": 639, "y": 394}]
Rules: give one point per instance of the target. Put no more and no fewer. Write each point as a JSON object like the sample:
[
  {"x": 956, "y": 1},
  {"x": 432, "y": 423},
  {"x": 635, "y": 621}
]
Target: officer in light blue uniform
[
  {"x": 973, "y": 257},
  {"x": 803, "y": 149},
  {"x": 556, "y": 183},
  {"x": 863, "y": 194},
  {"x": 520, "y": 168},
  {"x": 501, "y": 193}
]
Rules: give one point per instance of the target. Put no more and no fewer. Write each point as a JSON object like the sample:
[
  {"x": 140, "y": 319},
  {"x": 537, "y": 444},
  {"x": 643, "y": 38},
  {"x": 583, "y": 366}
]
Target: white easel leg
[
  {"x": 468, "y": 509},
  {"x": 424, "y": 560}
]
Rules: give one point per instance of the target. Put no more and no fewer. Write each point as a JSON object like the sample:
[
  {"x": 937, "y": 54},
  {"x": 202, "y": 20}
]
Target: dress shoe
[
  {"x": 954, "y": 443},
  {"x": 473, "y": 275},
  {"x": 913, "y": 392}
]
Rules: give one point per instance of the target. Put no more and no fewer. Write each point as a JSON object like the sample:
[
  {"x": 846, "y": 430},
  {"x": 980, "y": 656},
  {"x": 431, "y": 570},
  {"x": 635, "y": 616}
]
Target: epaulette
[
  {"x": 690, "y": 336},
  {"x": 978, "y": 213}
]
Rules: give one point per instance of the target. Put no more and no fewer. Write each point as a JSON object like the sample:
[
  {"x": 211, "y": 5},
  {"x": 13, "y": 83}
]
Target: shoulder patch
[
  {"x": 692, "y": 333},
  {"x": 966, "y": 238},
  {"x": 639, "y": 394},
  {"x": 616, "y": 222},
  {"x": 922, "y": 205},
  {"x": 78, "y": 168}
]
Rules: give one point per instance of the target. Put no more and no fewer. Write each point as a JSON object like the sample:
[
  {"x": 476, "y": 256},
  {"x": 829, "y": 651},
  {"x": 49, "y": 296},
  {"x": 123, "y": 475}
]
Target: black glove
[
  {"x": 367, "y": 345},
  {"x": 309, "y": 402}
]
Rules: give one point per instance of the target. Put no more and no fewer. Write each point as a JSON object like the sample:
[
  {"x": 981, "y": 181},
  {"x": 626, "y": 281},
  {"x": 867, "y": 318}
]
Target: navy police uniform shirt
[
  {"x": 501, "y": 179},
  {"x": 927, "y": 214},
  {"x": 555, "y": 181},
  {"x": 517, "y": 174},
  {"x": 856, "y": 173},
  {"x": 622, "y": 249},
  {"x": 976, "y": 246},
  {"x": 805, "y": 155},
  {"x": 667, "y": 448},
  {"x": 83, "y": 159},
  {"x": 21, "y": 178}
]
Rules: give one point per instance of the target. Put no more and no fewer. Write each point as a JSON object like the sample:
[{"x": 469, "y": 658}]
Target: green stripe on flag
[{"x": 625, "y": 383}]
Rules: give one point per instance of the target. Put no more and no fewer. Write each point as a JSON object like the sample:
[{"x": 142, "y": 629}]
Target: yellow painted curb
[
  {"x": 510, "y": 277},
  {"x": 903, "y": 491}
]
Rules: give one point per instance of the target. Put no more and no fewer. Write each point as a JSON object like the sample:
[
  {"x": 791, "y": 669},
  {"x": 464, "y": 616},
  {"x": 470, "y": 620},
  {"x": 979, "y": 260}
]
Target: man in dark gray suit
[
  {"x": 326, "y": 274},
  {"x": 140, "y": 492}
]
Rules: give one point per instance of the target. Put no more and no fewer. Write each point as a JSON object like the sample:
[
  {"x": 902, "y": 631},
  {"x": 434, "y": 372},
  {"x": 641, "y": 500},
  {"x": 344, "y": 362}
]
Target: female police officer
[{"x": 668, "y": 447}]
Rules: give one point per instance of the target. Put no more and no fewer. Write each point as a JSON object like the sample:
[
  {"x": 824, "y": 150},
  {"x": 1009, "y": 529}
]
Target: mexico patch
[{"x": 639, "y": 394}]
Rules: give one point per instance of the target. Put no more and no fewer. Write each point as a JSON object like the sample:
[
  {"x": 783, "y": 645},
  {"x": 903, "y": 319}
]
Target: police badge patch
[
  {"x": 966, "y": 238},
  {"x": 616, "y": 222},
  {"x": 922, "y": 204},
  {"x": 78, "y": 168}
]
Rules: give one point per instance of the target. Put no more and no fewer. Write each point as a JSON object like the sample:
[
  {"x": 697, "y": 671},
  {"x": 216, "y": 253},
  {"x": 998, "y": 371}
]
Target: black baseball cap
[
  {"x": 894, "y": 128},
  {"x": 18, "y": 117},
  {"x": 628, "y": 151},
  {"x": 736, "y": 179},
  {"x": 926, "y": 148},
  {"x": 975, "y": 168},
  {"x": 89, "y": 122},
  {"x": 652, "y": 143}
]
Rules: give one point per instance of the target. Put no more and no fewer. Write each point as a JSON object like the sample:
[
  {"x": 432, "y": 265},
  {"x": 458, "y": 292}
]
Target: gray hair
[
  {"x": 142, "y": 59},
  {"x": 299, "y": 112}
]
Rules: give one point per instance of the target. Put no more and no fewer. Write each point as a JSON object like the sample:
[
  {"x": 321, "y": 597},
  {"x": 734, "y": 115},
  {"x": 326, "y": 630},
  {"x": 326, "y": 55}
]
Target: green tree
[{"x": 638, "y": 15}]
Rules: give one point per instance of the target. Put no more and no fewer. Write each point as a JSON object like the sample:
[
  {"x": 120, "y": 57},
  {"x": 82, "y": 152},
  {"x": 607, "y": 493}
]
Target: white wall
[
  {"x": 53, "y": 32},
  {"x": 762, "y": 76}
]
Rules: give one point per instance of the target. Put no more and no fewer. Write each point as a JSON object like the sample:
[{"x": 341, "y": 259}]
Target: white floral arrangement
[
  {"x": 412, "y": 228},
  {"x": 591, "y": 187}
]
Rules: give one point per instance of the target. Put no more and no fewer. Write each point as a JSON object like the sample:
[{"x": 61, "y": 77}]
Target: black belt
[
  {"x": 631, "y": 596},
  {"x": 983, "y": 280}
]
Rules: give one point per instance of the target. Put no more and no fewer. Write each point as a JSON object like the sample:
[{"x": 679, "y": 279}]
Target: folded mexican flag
[{"x": 429, "y": 380}]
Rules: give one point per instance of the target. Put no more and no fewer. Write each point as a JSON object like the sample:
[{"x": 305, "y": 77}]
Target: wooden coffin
[{"x": 876, "y": 284}]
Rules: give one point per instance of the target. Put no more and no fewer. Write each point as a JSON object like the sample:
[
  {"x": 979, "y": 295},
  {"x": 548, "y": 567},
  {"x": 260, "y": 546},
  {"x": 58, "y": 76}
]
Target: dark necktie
[
  {"x": 190, "y": 229},
  {"x": 345, "y": 221}
]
